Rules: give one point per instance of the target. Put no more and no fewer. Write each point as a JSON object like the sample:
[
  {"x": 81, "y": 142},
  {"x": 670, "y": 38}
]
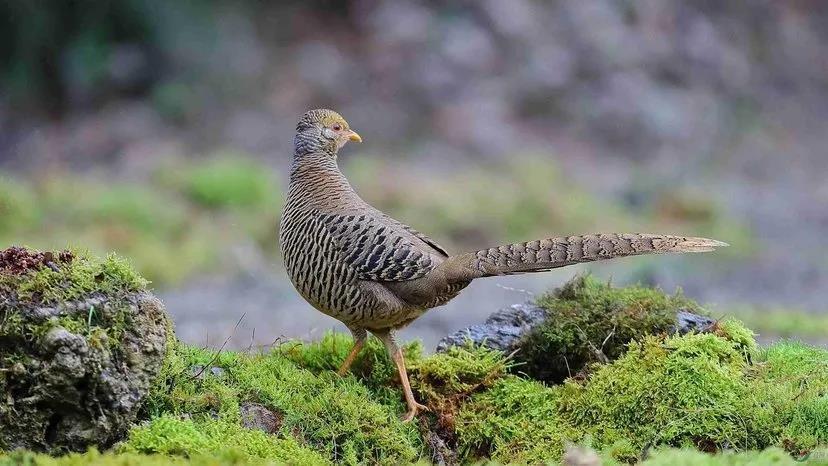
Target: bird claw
[{"x": 412, "y": 412}]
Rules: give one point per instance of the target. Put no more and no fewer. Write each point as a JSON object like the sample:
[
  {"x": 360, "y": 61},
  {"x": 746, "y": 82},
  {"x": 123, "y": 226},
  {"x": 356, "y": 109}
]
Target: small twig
[
  {"x": 252, "y": 339},
  {"x": 89, "y": 317},
  {"x": 218, "y": 353},
  {"x": 804, "y": 386},
  {"x": 597, "y": 352},
  {"x": 568, "y": 370},
  {"x": 608, "y": 337}
]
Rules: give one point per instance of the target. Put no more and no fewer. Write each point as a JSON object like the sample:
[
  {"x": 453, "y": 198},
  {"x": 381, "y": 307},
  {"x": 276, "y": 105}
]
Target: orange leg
[
  {"x": 359, "y": 342},
  {"x": 343, "y": 369},
  {"x": 397, "y": 356}
]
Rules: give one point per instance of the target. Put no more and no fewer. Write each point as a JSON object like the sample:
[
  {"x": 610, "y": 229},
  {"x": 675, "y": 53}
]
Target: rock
[
  {"x": 687, "y": 322},
  {"x": 580, "y": 456},
  {"x": 503, "y": 330},
  {"x": 260, "y": 417},
  {"x": 580, "y": 323},
  {"x": 441, "y": 453},
  {"x": 81, "y": 341}
]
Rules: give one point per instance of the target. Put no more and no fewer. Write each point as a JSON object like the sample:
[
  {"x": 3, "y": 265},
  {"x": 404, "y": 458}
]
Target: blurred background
[{"x": 163, "y": 131}]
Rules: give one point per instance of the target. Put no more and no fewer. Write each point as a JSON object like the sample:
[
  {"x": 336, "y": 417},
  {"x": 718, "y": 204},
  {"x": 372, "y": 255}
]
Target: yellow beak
[{"x": 354, "y": 136}]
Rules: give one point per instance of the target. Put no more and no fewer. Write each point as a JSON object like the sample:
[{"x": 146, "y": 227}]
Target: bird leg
[
  {"x": 396, "y": 353},
  {"x": 359, "y": 341}
]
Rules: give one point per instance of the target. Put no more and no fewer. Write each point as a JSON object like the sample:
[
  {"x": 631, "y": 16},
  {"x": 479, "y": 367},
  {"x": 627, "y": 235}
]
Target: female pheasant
[{"x": 375, "y": 274}]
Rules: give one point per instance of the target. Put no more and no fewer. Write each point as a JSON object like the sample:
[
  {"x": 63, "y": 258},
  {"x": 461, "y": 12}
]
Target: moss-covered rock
[
  {"x": 81, "y": 341},
  {"x": 584, "y": 321},
  {"x": 591, "y": 321}
]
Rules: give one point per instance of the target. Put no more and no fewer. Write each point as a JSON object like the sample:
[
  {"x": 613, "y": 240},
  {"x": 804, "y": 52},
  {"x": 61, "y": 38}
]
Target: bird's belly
[{"x": 333, "y": 294}]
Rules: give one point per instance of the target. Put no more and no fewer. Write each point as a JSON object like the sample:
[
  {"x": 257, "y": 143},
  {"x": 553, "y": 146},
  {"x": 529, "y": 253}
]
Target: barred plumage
[{"x": 374, "y": 273}]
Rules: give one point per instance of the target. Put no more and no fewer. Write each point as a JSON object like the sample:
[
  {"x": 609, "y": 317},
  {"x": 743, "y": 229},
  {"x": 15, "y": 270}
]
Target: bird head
[{"x": 323, "y": 130}]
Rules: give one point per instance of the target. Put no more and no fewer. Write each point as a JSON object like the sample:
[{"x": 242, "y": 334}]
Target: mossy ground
[
  {"x": 696, "y": 392},
  {"x": 665, "y": 399},
  {"x": 337, "y": 418}
]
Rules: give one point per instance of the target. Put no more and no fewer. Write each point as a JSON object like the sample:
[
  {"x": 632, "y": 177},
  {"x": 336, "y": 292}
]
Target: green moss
[
  {"x": 445, "y": 379},
  {"x": 94, "y": 458},
  {"x": 696, "y": 390},
  {"x": 184, "y": 437},
  {"x": 516, "y": 421},
  {"x": 797, "y": 362},
  {"x": 81, "y": 277},
  {"x": 73, "y": 280},
  {"x": 229, "y": 180},
  {"x": 736, "y": 332},
  {"x": 373, "y": 366},
  {"x": 351, "y": 420},
  {"x": 337, "y": 417},
  {"x": 808, "y": 426},
  {"x": 590, "y": 320},
  {"x": 690, "y": 390},
  {"x": 796, "y": 375},
  {"x": 679, "y": 457}
]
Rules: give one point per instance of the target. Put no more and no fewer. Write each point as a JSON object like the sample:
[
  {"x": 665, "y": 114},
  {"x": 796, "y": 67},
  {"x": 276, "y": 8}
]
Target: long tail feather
[{"x": 551, "y": 253}]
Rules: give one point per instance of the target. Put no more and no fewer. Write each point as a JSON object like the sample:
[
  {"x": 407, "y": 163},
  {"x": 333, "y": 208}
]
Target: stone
[
  {"x": 74, "y": 373},
  {"x": 260, "y": 417}
]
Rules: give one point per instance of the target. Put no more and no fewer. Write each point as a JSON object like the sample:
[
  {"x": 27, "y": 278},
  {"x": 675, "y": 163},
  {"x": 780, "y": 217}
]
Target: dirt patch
[{"x": 18, "y": 260}]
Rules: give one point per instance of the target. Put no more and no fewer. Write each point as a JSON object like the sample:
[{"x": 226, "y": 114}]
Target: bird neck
[{"x": 317, "y": 177}]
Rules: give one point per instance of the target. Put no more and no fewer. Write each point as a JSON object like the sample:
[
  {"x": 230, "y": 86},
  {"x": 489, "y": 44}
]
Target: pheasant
[{"x": 376, "y": 274}]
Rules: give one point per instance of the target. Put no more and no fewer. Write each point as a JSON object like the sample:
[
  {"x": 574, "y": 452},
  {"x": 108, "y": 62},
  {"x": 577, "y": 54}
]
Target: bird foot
[{"x": 413, "y": 410}]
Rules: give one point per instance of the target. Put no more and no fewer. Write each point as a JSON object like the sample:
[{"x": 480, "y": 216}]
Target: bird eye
[{"x": 337, "y": 127}]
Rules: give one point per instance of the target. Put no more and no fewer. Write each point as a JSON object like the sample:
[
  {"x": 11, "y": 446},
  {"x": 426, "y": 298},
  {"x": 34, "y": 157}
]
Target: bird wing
[
  {"x": 379, "y": 249},
  {"x": 439, "y": 250}
]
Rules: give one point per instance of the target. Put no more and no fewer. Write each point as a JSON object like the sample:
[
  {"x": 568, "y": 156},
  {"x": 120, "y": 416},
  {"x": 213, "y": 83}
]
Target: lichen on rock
[{"x": 81, "y": 341}]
